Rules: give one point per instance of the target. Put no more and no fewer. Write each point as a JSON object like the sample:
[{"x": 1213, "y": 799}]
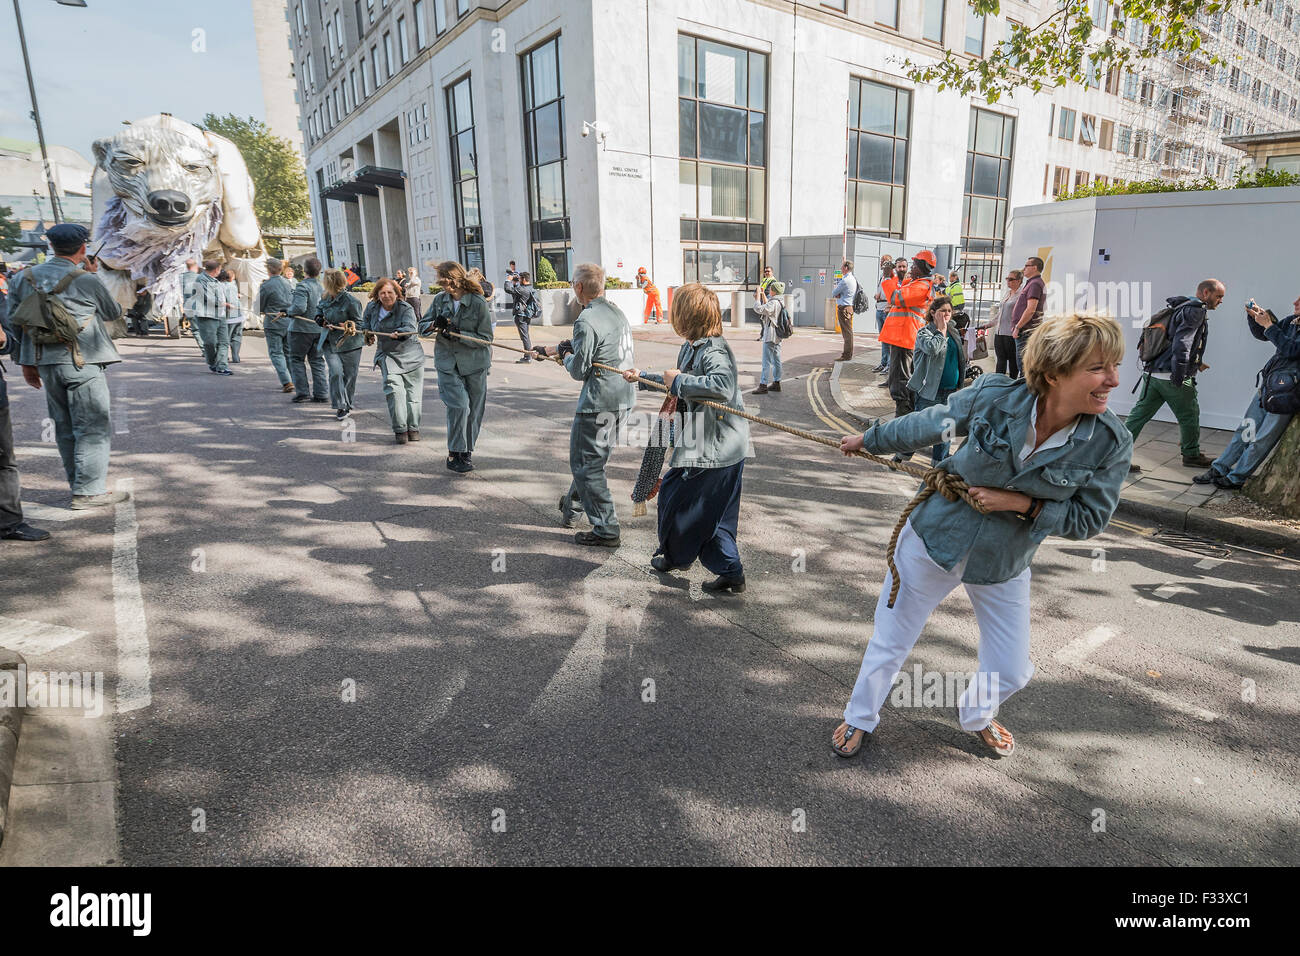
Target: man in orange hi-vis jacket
[
  {"x": 652, "y": 303},
  {"x": 906, "y": 316}
]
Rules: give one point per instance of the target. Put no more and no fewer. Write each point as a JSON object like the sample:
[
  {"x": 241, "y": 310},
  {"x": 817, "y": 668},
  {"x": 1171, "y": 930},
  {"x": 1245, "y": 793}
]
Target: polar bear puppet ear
[{"x": 239, "y": 228}]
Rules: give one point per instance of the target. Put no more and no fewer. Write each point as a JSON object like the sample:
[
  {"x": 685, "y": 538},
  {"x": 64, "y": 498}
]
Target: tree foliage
[
  {"x": 545, "y": 271},
  {"x": 1066, "y": 47},
  {"x": 10, "y": 231},
  {"x": 279, "y": 181},
  {"x": 1260, "y": 178}
]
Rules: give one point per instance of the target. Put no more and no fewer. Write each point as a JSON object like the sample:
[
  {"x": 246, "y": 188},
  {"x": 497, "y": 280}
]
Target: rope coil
[{"x": 949, "y": 484}]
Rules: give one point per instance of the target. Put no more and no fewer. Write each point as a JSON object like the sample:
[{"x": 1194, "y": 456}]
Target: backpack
[
  {"x": 784, "y": 327},
  {"x": 532, "y": 310},
  {"x": 1155, "y": 340},
  {"x": 860, "y": 300},
  {"x": 45, "y": 319},
  {"x": 1281, "y": 386}
]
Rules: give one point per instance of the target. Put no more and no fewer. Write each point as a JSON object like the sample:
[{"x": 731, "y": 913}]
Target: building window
[
  {"x": 1060, "y": 181},
  {"x": 1065, "y": 127},
  {"x": 974, "y": 33},
  {"x": 388, "y": 56},
  {"x": 439, "y": 17},
  {"x": 880, "y": 126},
  {"x": 370, "y": 10},
  {"x": 462, "y": 8},
  {"x": 990, "y": 145},
  {"x": 310, "y": 74},
  {"x": 365, "y": 82},
  {"x": 374, "y": 67},
  {"x": 932, "y": 26},
  {"x": 550, "y": 236},
  {"x": 1080, "y": 179},
  {"x": 1087, "y": 130},
  {"x": 887, "y": 13},
  {"x": 421, "y": 31},
  {"x": 722, "y": 143},
  {"x": 1107, "y": 134},
  {"x": 464, "y": 174},
  {"x": 338, "y": 32},
  {"x": 403, "y": 42}
]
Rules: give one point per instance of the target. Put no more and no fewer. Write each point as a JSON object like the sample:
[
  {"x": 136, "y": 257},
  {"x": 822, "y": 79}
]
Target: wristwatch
[{"x": 1030, "y": 513}]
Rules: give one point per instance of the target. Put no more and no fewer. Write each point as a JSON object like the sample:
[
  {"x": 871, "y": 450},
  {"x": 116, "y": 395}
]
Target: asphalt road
[{"x": 502, "y": 709}]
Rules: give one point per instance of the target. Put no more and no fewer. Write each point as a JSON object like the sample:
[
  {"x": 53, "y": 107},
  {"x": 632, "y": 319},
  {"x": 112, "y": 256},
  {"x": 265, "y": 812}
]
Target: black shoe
[
  {"x": 224, "y": 371},
  {"x": 720, "y": 583},
  {"x": 591, "y": 539},
  {"x": 774, "y": 387},
  {"x": 1200, "y": 461},
  {"x": 457, "y": 463},
  {"x": 884, "y": 384},
  {"x": 1206, "y": 478},
  {"x": 320, "y": 401},
  {"x": 878, "y": 369},
  {"x": 1135, "y": 469},
  {"x": 341, "y": 414},
  {"x": 523, "y": 361},
  {"x": 1221, "y": 481},
  {"x": 660, "y": 563},
  {"x": 299, "y": 399},
  {"x": 24, "y": 532}
]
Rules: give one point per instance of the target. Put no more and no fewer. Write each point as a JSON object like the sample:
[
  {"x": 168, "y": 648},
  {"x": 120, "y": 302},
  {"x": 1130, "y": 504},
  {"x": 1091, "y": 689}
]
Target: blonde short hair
[
  {"x": 696, "y": 313},
  {"x": 1064, "y": 342},
  {"x": 334, "y": 281}
]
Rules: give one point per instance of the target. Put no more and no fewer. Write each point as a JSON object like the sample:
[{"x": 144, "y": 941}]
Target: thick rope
[{"x": 951, "y": 486}]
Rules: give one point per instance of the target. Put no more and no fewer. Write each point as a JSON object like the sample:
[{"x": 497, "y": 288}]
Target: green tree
[
  {"x": 545, "y": 271},
  {"x": 1065, "y": 47},
  {"x": 10, "y": 231},
  {"x": 280, "y": 198}
]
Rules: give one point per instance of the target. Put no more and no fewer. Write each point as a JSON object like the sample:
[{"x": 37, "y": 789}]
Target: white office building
[{"x": 703, "y": 139}]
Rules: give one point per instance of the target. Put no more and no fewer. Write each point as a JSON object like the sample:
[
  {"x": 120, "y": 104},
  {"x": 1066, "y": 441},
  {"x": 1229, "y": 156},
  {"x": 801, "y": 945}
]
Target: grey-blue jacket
[
  {"x": 275, "y": 296},
  {"x": 714, "y": 439},
  {"x": 302, "y": 307},
  {"x": 86, "y": 298},
  {"x": 930, "y": 357},
  {"x": 1079, "y": 482},
  {"x": 406, "y": 354},
  {"x": 601, "y": 334}
]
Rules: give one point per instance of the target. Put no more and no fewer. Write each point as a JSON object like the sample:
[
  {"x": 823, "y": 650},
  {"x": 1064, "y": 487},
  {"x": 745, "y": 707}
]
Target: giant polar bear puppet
[{"x": 165, "y": 191}]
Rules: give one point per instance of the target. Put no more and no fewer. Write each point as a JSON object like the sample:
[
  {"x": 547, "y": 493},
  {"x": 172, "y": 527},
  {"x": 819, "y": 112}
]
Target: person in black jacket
[
  {"x": 525, "y": 307},
  {"x": 1259, "y": 430},
  {"x": 1170, "y": 379}
]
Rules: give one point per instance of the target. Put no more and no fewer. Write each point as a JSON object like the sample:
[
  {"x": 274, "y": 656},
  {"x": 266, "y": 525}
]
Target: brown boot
[
  {"x": 412, "y": 435},
  {"x": 774, "y": 387},
  {"x": 402, "y": 437}
]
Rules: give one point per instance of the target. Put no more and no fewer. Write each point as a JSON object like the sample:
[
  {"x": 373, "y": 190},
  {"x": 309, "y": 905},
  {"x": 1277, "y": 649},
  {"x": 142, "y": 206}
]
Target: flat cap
[{"x": 67, "y": 234}]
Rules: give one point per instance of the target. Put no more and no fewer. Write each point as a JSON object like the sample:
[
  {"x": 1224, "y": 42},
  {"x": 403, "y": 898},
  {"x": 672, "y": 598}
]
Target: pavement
[
  {"x": 318, "y": 647},
  {"x": 1162, "y": 492}
]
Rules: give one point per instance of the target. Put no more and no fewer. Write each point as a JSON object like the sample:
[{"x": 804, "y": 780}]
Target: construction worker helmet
[
  {"x": 641, "y": 271},
  {"x": 926, "y": 256}
]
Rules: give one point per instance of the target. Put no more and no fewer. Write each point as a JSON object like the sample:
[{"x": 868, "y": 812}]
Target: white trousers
[{"x": 1002, "y": 611}]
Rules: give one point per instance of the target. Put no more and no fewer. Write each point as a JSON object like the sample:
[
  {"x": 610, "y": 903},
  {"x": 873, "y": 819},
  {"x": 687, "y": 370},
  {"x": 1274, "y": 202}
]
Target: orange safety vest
[
  {"x": 907, "y": 313},
  {"x": 647, "y": 286}
]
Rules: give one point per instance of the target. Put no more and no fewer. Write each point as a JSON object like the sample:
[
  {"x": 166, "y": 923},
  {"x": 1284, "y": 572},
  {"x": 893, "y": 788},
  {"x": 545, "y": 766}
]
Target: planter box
[
  {"x": 559, "y": 306},
  {"x": 632, "y": 302}
]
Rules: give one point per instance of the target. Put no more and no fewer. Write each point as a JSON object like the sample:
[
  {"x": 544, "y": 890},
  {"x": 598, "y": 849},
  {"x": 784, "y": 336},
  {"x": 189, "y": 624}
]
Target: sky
[{"x": 120, "y": 60}]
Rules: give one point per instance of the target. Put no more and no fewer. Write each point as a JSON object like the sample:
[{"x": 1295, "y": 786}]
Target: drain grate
[{"x": 1189, "y": 542}]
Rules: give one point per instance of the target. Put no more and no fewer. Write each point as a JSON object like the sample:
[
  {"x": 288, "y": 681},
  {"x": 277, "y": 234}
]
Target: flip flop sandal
[
  {"x": 1003, "y": 746},
  {"x": 843, "y": 750}
]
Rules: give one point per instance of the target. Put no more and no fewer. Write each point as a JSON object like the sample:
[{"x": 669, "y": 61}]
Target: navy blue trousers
[{"x": 699, "y": 509}]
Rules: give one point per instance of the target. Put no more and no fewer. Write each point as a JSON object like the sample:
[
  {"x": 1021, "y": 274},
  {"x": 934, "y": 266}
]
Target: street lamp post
[{"x": 55, "y": 208}]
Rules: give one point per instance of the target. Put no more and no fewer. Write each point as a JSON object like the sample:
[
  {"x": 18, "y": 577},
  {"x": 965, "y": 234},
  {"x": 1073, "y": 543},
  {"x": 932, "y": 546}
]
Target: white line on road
[
  {"x": 1075, "y": 654},
  {"x": 1167, "y": 591},
  {"x": 1208, "y": 564},
  {"x": 35, "y": 637},
  {"x": 128, "y": 607},
  {"x": 37, "y": 451}
]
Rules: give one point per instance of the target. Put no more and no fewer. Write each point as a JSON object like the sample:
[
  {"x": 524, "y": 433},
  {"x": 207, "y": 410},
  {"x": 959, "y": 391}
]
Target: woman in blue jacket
[
  {"x": 939, "y": 363},
  {"x": 699, "y": 499},
  {"x": 1043, "y": 455},
  {"x": 342, "y": 350}
]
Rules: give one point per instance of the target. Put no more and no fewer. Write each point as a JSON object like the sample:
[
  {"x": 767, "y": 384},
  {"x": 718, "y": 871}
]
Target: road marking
[
  {"x": 133, "y": 674},
  {"x": 37, "y": 451},
  {"x": 1166, "y": 591},
  {"x": 1209, "y": 564},
  {"x": 1075, "y": 655},
  {"x": 1136, "y": 529},
  {"x": 35, "y": 637},
  {"x": 820, "y": 410}
]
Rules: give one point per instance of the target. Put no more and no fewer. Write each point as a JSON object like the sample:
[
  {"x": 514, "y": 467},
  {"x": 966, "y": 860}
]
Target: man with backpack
[
  {"x": 1273, "y": 406},
  {"x": 844, "y": 295},
  {"x": 60, "y": 315},
  {"x": 1171, "y": 348},
  {"x": 524, "y": 307},
  {"x": 776, "y": 326}
]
